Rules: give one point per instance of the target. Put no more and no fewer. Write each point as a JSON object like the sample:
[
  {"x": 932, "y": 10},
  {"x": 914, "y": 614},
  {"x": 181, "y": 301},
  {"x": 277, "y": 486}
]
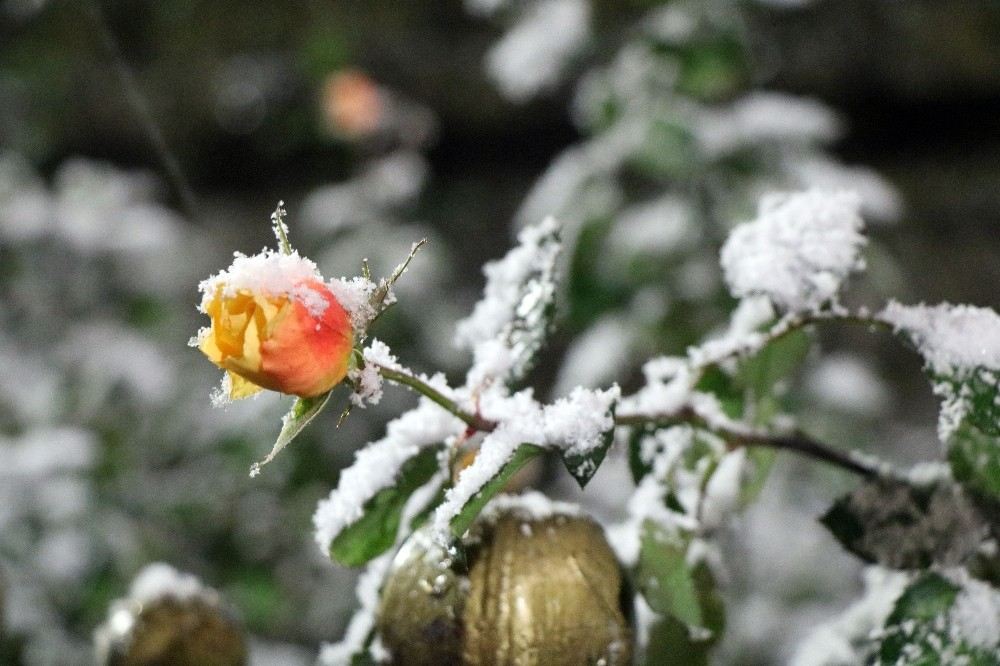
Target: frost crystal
[
  {"x": 798, "y": 251},
  {"x": 367, "y": 380},
  {"x": 376, "y": 466}
]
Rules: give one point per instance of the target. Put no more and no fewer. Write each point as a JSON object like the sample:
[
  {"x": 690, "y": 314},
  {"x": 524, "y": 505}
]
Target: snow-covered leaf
[
  {"x": 943, "y": 618},
  {"x": 294, "y": 422},
  {"x": 509, "y": 325},
  {"x": 463, "y": 519},
  {"x": 898, "y": 525},
  {"x": 584, "y": 423},
  {"x": 375, "y": 532},
  {"x": 676, "y": 585}
]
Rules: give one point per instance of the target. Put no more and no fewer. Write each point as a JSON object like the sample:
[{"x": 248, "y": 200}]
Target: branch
[
  {"x": 796, "y": 441},
  {"x": 801, "y": 443}
]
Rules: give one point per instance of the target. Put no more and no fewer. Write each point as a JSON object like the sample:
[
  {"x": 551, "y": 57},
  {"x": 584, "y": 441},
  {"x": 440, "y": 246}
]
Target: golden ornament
[
  {"x": 543, "y": 591},
  {"x": 172, "y": 632}
]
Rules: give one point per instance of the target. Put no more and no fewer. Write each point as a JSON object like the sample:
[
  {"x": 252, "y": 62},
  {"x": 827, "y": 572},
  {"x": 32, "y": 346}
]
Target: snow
[
  {"x": 575, "y": 424},
  {"x": 953, "y": 339},
  {"x": 160, "y": 580},
  {"x": 354, "y": 295},
  {"x": 578, "y": 422},
  {"x": 959, "y": 343},
  {"x": 669, "y": 383},
  {"x": 531, "y": 506},
  {"x": 656, "y": 227},
  {"x": 798, "y": 251},
  {"x": 377, "y": 465},
  {"x": 271, "y": 273},
  {"x": 974, "y": 617},
  {"x": 531, "y": 57}
]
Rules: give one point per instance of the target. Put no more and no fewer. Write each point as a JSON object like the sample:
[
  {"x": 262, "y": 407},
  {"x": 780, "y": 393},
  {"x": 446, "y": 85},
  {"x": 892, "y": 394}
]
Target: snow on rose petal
[{"x": 275, "y": 325}]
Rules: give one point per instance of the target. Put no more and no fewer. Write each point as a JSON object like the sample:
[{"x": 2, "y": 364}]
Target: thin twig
[{"x": 134, "y": 98}]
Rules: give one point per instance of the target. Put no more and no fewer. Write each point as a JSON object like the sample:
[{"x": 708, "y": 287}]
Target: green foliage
[
  {"x": 524, "y": 453},
  {"x": 375, "y": 532},
  {"x": 679, "y": 590}
]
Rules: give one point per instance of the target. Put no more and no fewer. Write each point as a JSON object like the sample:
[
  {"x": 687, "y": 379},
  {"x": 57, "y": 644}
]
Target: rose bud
[{"x": 275, "y": 325}]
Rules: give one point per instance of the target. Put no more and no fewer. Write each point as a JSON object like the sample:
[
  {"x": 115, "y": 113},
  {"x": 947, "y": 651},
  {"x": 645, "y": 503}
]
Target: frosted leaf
[
  {"x": 953, "y": 339},
  {"x": 943, "y": 617},
  {"x": 960, "y": 345},
  {"x": 533, "y": 54},
  {"x": 578, "y": 423},
  {"x": 508, "y": 326},
  {"x": 377, "y": 465},
  {"x": 798, "y": 251}
]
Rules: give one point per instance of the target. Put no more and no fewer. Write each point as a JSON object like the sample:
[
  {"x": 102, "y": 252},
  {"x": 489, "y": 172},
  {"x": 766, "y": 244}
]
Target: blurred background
[{"x": 141, "y": 143}]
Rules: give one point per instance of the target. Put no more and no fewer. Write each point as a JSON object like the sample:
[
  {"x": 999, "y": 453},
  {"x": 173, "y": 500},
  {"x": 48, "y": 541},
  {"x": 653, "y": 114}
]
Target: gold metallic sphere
[
  {"x": 537, "y": 591},
  {"x": 190, "y": 632}
]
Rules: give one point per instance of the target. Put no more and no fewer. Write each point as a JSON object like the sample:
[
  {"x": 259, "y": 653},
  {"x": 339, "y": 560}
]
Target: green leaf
[
  {"x": 975, "y": 459},
  {"x": 582, "y": 467},
  {"x": 298, "y": 417},
  {"x": 670, "y": 644},
  {"x": 524, "y": 453},
  {"x": 897, "y": 525},
  {"x": 759, "y": 375},
  {"x": 375, "y": 532},
  {"x": 675, "y": 588}
]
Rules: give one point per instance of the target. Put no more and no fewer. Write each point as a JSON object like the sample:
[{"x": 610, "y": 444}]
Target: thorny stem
[
  {"x": 423, "y": 388},
  {"x": 796, "y": 441}
]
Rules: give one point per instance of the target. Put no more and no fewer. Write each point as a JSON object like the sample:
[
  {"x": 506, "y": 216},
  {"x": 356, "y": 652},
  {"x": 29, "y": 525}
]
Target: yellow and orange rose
[{"x": 275, "y": 325}]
